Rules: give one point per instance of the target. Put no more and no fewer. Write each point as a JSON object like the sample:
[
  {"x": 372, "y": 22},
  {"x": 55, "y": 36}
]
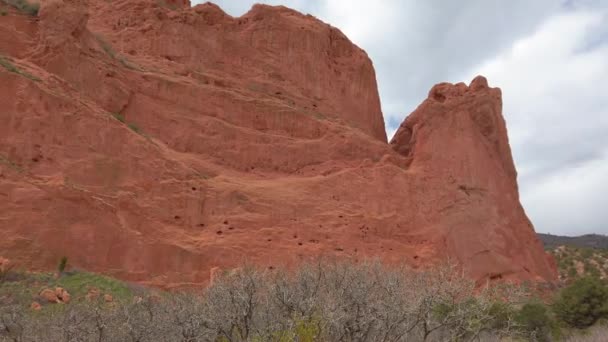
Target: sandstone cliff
[{"x": 156, "y": 142}]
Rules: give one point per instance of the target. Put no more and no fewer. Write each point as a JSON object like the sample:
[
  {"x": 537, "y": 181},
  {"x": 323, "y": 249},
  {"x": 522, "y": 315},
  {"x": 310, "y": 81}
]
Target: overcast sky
[{"x": 550, "y": 57}]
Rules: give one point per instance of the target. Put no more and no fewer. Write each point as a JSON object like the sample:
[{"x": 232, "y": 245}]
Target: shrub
[
  {"x": 62, "y": 264},
  {"x": 534, "y": 319},
  {"x": 582, "y": 303},
  {"x": 317, "y": 302}
]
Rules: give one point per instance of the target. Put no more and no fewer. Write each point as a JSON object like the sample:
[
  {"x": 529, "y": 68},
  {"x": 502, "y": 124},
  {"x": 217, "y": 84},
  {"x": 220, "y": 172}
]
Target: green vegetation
[
  {"x": 583, "y": 303},
  {"x": 6, "y": 63},
  {"x": 79, "y": 283},
  {"x": 534, "y": 318},
  {"x": 576, "y": 262},
  {"x": 62, "y": 264},
  {"x": 24, "y": 6},
  {"x": 23, "y": 287}
]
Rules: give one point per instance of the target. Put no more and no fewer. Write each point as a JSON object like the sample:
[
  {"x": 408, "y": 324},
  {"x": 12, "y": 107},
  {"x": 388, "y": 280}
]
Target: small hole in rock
[
  {"x": 219, "y": 232},
  {"x": 269, "y": 240},
  {"x": 230, "y": 228},
  {"x": 300, "y": 244},
  {"x": 176, "y": 217},
  {"x": 193, "y": 189},
  {"x": 201, "y": 224},
  {"x": 496, "y": 277},
  {"x": 226, "y": 222},
  {"x": 416, "y": 257}
]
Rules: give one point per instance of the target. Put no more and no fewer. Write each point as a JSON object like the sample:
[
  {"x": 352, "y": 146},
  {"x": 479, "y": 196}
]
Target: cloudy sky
[{"x": 550, "y": 57}]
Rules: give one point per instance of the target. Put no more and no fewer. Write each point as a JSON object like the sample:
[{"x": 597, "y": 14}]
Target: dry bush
[{"x": 319, "y": 302}]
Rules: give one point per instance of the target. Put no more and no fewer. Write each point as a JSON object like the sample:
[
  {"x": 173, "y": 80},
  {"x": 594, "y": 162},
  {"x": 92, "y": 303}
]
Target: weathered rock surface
[{"x": 156, "y": 142}]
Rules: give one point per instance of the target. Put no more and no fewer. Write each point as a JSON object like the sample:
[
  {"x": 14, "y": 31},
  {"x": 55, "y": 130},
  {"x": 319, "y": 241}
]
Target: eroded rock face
[
  {"x": 457, "y": 138},
  {"x": 160, "y": 143}
]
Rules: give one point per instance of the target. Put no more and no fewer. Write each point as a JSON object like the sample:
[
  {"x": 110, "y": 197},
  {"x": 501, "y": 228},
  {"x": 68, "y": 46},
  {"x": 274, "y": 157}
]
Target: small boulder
[
  {"x": 36, "y": 306},
  {"x": 93, "y": 294},
  {"x": 62, "y": 295},
  {"x": 108, "y": 298},
  {"x": 49, "y": 295}
]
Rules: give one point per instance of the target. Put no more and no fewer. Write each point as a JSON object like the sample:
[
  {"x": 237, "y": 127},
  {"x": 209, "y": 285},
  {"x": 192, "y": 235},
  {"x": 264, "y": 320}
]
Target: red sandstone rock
[
  {"x": 62, "y": 295},
  {"x": 156, "y": 145},
  {"x": 35, "y": 306},
  {"x": 93, "y": 294},
  {"x": 49, "y": 296},
  {"x": 458, "y": 139}
]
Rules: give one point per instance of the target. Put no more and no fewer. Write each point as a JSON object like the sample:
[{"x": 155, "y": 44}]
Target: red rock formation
[
  {"x": 458, "y": 138},
  {"x": 156, "y": 143}
]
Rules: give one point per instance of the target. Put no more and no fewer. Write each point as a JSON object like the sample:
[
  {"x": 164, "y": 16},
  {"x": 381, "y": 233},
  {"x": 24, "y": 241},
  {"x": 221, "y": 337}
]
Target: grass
[
  {"x": 23, "y": 6},
  {"x": 24, "y": 287},
  {"x": 10, "y": 67},
  {"x": 78, "y": 284}
]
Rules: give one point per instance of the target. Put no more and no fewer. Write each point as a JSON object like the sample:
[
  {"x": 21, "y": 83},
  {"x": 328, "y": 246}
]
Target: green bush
[
  {"x": 62, "y": 264},
  {"x": 582, "y": 303},
  {"x": 534, "y": 320}
]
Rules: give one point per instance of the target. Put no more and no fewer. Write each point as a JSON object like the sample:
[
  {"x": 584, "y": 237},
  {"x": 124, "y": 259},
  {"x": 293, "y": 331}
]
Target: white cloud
[{"x": 556, "y": 110}]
